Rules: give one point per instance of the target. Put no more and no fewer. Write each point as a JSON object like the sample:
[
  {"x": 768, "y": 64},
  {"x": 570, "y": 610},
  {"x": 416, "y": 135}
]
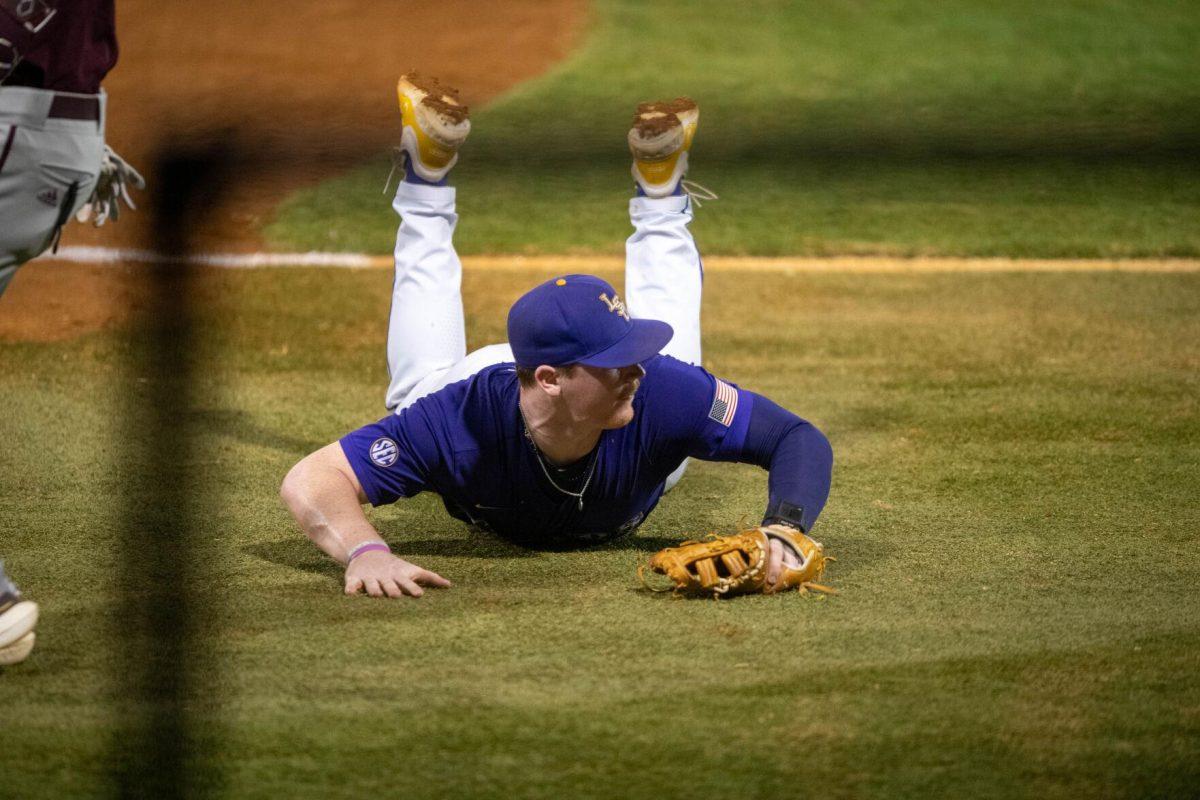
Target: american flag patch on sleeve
[{"x": 724, "y": 404}]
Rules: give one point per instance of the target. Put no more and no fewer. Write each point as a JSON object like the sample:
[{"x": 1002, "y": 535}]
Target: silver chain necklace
[{"x": 545, "y": 470}]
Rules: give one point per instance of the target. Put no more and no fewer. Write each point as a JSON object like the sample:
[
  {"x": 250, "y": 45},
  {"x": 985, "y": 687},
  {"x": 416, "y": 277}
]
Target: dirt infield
[{"x": 314, "y": 80}]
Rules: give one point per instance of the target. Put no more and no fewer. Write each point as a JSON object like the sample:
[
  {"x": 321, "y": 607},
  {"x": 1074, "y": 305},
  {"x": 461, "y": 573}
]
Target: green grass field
[
  {"x": 905, "y": 127},
  {"x": 1014, "y": 505},
  {"x": 1014, "y": 510}
]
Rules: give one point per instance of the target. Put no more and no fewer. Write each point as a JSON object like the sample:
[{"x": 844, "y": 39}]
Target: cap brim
[{"x": 645, "y": 339}]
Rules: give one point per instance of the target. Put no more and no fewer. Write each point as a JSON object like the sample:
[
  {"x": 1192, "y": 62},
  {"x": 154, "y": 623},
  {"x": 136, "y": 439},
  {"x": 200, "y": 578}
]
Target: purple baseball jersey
[{"x": 466, "y": 442}]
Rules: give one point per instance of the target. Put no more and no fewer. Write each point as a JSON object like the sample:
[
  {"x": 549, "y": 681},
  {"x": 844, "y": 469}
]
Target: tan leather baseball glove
[{"x": 723, "y": 566}]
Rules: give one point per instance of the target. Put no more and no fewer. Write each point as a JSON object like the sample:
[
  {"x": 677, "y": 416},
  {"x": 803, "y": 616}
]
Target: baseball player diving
[{"x": 569, "y": 434}]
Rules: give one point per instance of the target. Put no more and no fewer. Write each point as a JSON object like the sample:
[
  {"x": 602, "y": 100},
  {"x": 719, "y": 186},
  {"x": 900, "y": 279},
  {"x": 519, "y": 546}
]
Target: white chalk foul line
[
  {"x": 562, "y": 264},
  {"x": 116, "y": 255}
]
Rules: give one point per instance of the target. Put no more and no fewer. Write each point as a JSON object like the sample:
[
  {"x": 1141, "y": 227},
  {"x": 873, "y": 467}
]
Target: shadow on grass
[
  {"x": 242, "y": 426},
  {"x": 295, "y": 552},
  {"x": 862, "y": 142},
  {"x": 855, "y": 552}
]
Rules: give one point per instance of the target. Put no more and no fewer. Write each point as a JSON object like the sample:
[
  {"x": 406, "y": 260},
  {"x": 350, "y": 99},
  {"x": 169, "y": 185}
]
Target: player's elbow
[
  {"x": 319, "y": 483},
  {"x": 817, "y": 446},
  {"x": 821, "y": 446},
  {"x": 294, "y": 491},
  {"x": 825, "y": 447}
]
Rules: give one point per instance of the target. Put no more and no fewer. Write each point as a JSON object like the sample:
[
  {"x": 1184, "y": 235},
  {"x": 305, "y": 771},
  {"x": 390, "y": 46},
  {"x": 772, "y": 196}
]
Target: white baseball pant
[{"x": 48, "y": 169}]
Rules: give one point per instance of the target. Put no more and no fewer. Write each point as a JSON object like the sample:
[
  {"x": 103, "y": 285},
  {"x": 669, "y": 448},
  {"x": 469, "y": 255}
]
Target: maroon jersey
[{"x": 65, "y": 45}]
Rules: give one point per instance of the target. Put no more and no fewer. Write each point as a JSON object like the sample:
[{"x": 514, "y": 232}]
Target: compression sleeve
[{"x": 799, "y": 458}]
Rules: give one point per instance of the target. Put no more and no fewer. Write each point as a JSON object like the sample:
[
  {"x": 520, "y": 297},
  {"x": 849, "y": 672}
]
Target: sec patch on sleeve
[
  {"x": 724, "y": 404},
  {"x": 384, "y": 451}
]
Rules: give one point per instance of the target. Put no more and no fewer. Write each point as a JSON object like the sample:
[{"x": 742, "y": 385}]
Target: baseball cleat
[
  {"x": 435, "y": 124},
  {"x": 17, "y": 618},
  {"x": 660, "y": 139},
  {"x": 18, "y": 651}
]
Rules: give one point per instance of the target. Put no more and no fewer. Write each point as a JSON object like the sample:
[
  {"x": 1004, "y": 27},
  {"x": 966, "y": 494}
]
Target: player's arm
[
  {"x": 23, "y": 28},
  {"x": 718, "y": 421},
  {"x": 326, "y": 497},
  {"x": 715, "y": 420},
  {"x": 16, "y": 38},
  {"x": 799, "y": 461},
  {"x": 798, "y": 458}
]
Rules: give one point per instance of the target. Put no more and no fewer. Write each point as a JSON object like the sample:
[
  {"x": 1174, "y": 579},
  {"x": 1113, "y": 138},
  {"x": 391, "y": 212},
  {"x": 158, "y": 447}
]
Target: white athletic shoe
[
  {"x": 660, "y": 138},
  {"x": 17, "y": 618},
  {"x": 434, "y": 125},
  {"x": 18, "y": 651}
]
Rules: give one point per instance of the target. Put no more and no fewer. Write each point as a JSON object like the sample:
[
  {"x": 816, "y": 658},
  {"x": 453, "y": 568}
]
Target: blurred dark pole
[{"x": 155, "y": 752}]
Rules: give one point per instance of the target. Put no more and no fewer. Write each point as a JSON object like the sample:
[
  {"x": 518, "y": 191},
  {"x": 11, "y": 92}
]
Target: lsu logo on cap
[
  {"x": 616, "y": 305},
  {"x": 384, "y": 451}
]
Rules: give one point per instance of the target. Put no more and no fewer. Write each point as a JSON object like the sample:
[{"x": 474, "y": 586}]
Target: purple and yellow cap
[{"x": 579, "y": 319}]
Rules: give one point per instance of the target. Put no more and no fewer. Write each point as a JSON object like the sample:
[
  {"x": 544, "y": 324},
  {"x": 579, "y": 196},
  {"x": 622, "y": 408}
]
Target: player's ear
[{"x": 547, "y": 379}]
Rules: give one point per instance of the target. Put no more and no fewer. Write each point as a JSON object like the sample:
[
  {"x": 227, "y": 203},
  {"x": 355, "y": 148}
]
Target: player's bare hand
[
  {"x": 382, "y": 574},
  {"x": 779, "y": 557}
]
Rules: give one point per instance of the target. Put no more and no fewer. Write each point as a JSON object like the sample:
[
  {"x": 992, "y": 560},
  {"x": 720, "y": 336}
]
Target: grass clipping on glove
[{"x": 725, "y": 566}]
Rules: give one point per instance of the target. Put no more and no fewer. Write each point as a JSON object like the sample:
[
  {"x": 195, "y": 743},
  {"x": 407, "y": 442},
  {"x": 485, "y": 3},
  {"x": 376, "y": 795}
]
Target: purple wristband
[{"x": 366, "y": 547}]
